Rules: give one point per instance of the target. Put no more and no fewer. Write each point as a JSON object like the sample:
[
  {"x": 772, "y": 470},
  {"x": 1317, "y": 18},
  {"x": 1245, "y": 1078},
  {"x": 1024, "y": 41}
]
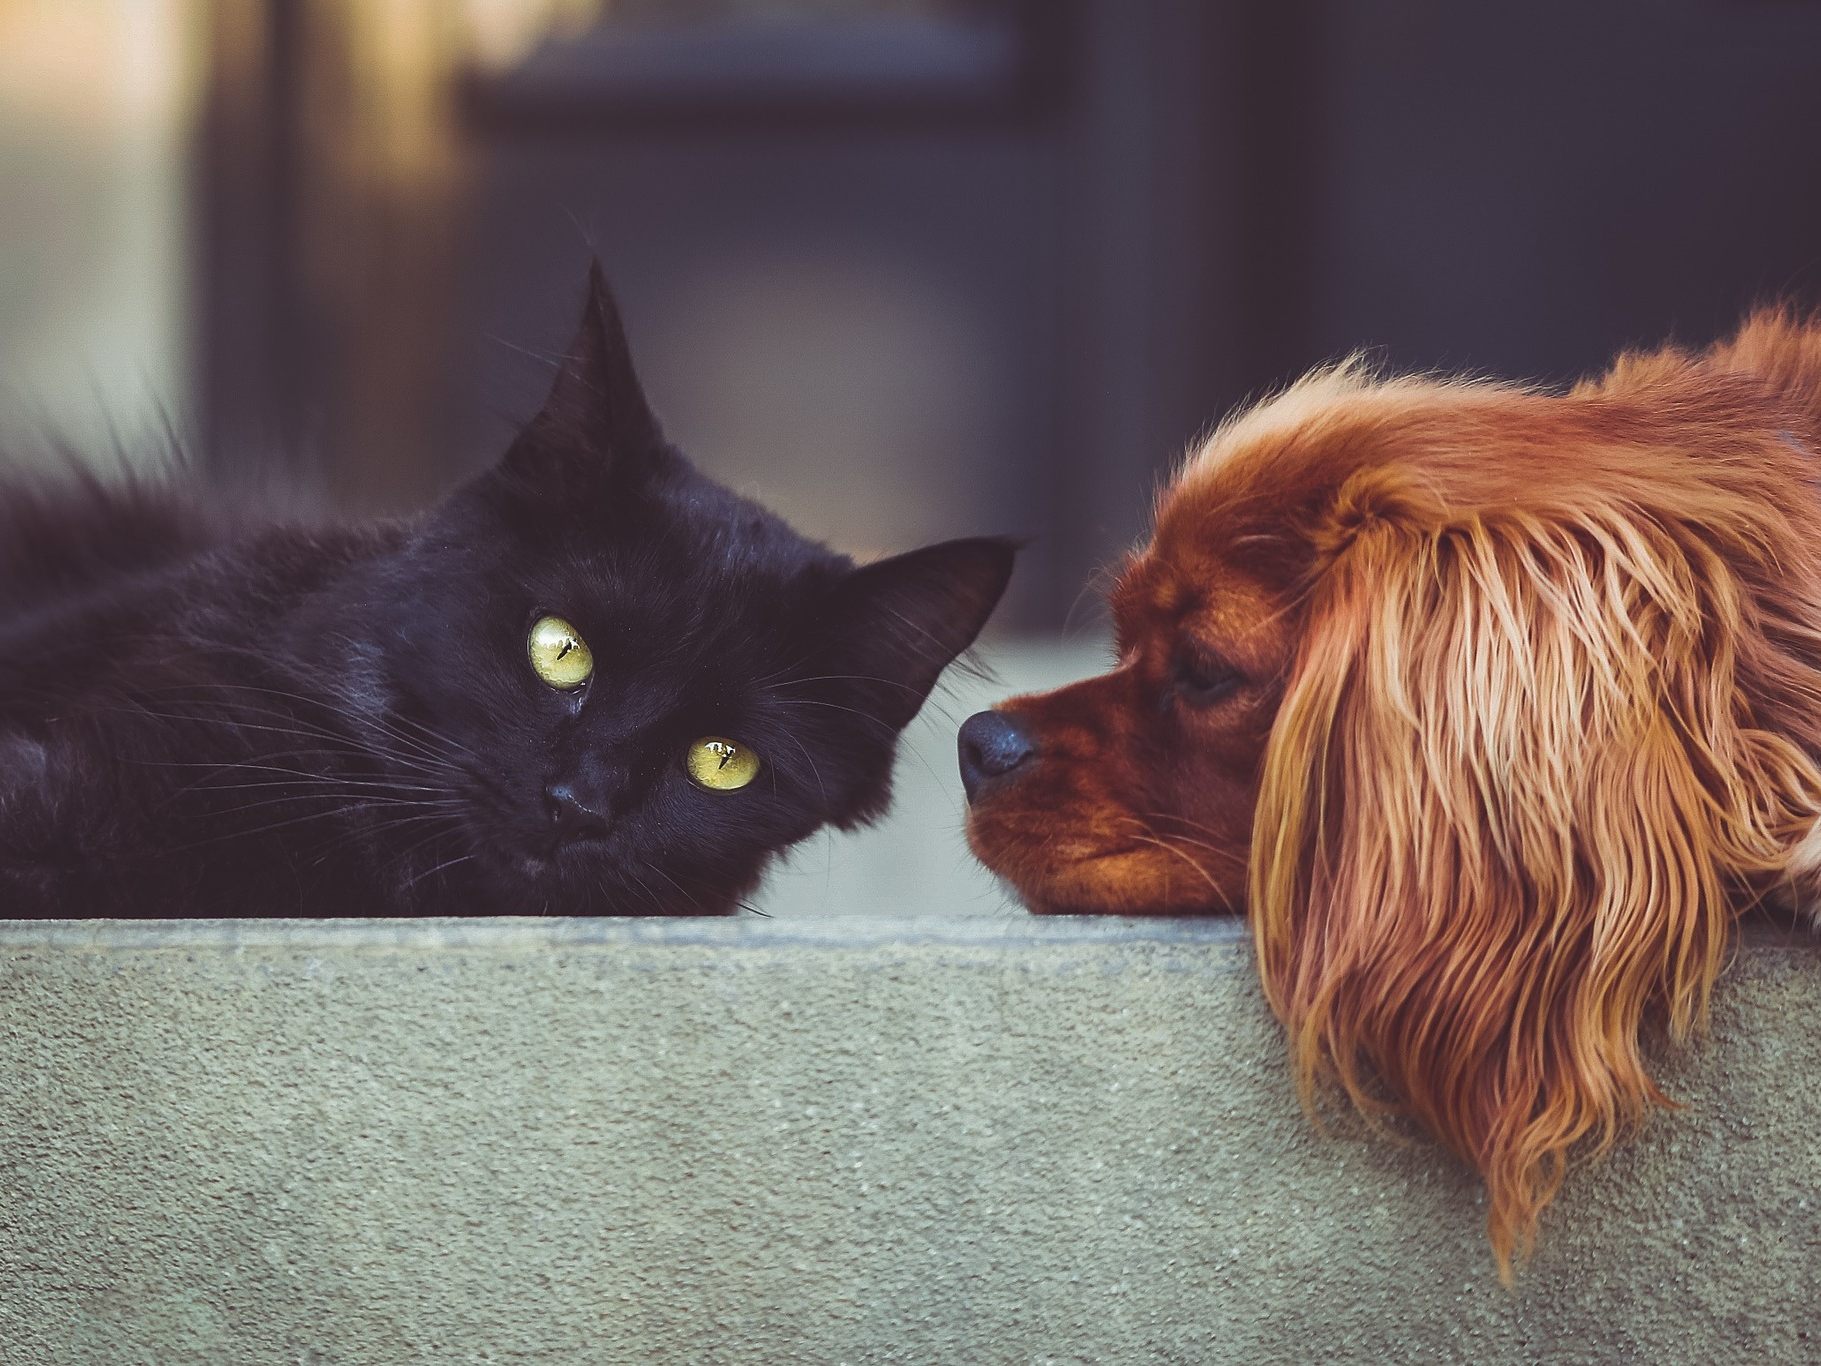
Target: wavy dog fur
[{"x": 1547, "y": 711}]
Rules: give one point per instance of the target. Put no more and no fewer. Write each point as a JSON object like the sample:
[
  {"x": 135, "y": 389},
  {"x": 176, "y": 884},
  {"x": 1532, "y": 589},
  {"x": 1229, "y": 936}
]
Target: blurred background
[{"x": 903, "y": 269}]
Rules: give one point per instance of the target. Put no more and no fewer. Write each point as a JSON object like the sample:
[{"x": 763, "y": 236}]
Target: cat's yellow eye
[
  {"x": 721, "y": 765},
  {"x": 558, "y": 653}
]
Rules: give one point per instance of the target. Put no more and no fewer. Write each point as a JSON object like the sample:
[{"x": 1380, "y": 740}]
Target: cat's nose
[
  {"x": 992, "y": 744},
  {"x": 570, "y": 817}
]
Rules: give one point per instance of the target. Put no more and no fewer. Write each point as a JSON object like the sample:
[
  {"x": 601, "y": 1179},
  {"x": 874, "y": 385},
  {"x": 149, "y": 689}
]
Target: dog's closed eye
[{"x": 1202, "y": 678}]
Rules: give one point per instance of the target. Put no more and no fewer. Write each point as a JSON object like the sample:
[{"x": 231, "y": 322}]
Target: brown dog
[{"x": 1492, "y": 708}]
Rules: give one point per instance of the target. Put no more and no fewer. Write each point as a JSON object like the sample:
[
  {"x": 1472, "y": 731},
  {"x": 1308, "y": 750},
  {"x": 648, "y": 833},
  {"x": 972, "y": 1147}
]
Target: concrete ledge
[{"x": 840, "y": 1140}]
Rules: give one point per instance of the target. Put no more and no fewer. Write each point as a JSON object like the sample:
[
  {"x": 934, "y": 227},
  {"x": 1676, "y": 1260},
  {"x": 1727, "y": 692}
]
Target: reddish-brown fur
[{"x": 1526, "y": 708}]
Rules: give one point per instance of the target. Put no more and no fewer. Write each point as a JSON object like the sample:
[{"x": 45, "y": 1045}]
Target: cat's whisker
[
  {"x": 288, "y": 776},
  {"x": 547, "y": 361},
  {"x": 836, "y": 706},
  {"x": 930, "y": 700},
  {"x": 441, "y": 867},
  {"x": 218, "y": 765},
  {"x": 308, "y": 784},
  {"x": 393, "y": 717},
  {"x": 291, "y": 765},
  {"x": 389, "y": 824},
  {"x": 687, "y": 895},
  {"x": 358, "y": 802},
  {"x": 446, "y": 820},
  {"x": 442, "y": 832},
  {"x": 299, "y": 782},
  {"x": 841, "y": 678},
  {"x": 399, "y": 861},
  {"x": 342, "y": 744},
  {"x": 865, "y": 716},
  {"x": 809, "y": 759},
  {"x": 637, "y": 884},
  {"x": 237, "y": 724},
  {"x": 413, "y": 754},
  {"x": 780, "y": 672},
  {"x": 431, "y": 738},
  {"x": 327, "y": 813},
  {"x": 915, "y": 628},
  {"x": 422, "y": 748}
]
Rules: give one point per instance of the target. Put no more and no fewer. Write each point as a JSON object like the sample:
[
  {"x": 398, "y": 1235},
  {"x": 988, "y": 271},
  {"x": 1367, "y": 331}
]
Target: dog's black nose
[
  {"x": 991, "y": 745},
  {"x": 570, "y": 818}
]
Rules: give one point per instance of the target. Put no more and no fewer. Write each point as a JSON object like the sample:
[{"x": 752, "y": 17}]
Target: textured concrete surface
[{"x": 986, "y": 1141}]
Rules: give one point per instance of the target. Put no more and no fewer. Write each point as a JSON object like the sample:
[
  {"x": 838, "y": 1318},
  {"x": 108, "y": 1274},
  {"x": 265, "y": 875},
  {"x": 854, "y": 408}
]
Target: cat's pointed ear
[
  {"x": 899, "y": 623},
  {"x": 595, "y": 421}
]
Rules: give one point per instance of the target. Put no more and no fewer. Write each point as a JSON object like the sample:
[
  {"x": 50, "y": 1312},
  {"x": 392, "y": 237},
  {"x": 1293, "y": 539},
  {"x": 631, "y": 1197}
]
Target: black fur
[{"x": 207, "y": 712}]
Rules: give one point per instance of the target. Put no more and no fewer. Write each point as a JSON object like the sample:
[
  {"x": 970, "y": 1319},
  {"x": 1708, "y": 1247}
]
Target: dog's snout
[{"x": 992, "y": 744}]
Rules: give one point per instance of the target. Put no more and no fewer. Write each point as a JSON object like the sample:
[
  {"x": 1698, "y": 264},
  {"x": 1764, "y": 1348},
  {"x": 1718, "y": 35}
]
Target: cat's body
[
  {"x": 141, "y": 699},
  {"x": 219, "y": 712}
]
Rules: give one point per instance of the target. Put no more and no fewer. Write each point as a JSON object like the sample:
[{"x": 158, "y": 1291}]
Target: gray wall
[{"x": 862, "y": 1140}]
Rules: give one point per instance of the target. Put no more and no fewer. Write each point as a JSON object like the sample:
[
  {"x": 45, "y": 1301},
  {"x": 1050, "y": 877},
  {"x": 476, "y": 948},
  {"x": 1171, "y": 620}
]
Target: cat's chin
[
  {"x": 581, "y": 882},
  {"x": 559, "y": 883}
]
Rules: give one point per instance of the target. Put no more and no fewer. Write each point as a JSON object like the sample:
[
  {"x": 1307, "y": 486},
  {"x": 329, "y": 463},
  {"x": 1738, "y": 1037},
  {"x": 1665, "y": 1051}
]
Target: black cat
[{"x": 590, "y": 681}]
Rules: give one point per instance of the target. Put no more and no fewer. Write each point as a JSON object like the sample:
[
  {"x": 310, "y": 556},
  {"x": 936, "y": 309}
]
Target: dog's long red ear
[{"x": 1504, "y": 806}]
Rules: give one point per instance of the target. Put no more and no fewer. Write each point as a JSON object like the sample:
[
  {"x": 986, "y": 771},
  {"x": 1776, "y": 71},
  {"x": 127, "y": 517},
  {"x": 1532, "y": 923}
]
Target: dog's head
[{"x": 1486, "y": 705}]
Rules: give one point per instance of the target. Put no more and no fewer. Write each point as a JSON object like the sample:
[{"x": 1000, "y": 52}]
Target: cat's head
[{"x": 637, "y": 686}]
